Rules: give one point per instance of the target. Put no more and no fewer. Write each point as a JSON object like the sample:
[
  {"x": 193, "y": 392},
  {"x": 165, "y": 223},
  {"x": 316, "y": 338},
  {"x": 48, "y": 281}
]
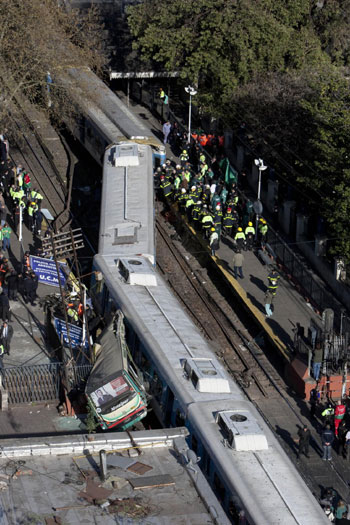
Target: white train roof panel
[
  {"x": 166, "y": 329},
  {"x": 126, "y": 226}
]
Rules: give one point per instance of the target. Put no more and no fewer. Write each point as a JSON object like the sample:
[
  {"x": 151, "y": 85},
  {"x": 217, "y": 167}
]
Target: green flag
[{"x": 230, "y": 174}]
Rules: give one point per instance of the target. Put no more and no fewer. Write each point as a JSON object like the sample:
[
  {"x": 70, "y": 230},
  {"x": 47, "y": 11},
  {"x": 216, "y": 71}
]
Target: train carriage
[{"x": 242, "y": 459}]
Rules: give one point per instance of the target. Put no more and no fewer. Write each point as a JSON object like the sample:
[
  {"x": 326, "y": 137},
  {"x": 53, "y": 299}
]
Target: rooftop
[{"x": 57, "y": 480}]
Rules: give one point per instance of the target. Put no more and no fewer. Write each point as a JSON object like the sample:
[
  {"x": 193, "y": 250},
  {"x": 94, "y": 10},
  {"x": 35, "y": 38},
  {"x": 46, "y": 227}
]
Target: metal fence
[
  {"x": 314, "y": 290},
  {"x": 40, "y": 383}
]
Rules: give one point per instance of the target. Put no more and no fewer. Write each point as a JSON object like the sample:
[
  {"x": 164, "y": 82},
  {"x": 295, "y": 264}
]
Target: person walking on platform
[
  {"x": 238, "y": 260},
  {"x": 166, "y": 130},
  {"x": 327, "y": 440},
  {"x": 30, "y": 285},
  {"x": 214, "y": 241},
  {"x": 6, "y": 333},
  {"x": 228, "y": 222},
  {"x": 263, "y": 228},
  {"x": 268, "y": 303},
  {"x": 240, "y": 238},
  {"x": 304, "y": 436},
  {"x": 314, "y": 401},
  {"x": 207, "y": 221},
  {"x": 338, "y": 416},
  {"x": 273, "y": 281},
  {"x": 249, "y": 233},
  {"x": 5, "y": 313},
  {"x": 12, "y": 285},
  {"x": 6, "y": 237}
]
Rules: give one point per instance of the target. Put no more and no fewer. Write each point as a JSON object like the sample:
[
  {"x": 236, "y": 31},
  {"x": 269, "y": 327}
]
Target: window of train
[
  {"x": 205, "y": 463},
  {"x": 194, "y": 444},
  {"x": 219, "y": 488},
  {"x": 157, "y": 387}
]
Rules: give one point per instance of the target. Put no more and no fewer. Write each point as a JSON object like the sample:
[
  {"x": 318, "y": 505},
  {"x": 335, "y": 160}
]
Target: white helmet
[
  {"x": 199, "y": 202},
  {"x": 217, "y": 207},
  {"x": 183, "y": 190}
]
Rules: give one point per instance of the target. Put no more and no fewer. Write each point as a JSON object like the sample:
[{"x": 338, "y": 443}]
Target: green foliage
[
  {"x": 279, "y": 65},
  {"x": 220, "y": 44},
  {"x": 91, "y": 423}
]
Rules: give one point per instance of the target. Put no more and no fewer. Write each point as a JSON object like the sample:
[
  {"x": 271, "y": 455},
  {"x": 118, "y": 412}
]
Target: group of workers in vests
[
  {"x": 210, "y": 204},
  {"x": 26, "y": 201}
]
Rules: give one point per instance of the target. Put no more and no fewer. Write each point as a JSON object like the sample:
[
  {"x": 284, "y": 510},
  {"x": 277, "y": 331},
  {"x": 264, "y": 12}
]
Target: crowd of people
[
  {"x": 211, "y": 203},
  {"x": 18, "y": 200}
]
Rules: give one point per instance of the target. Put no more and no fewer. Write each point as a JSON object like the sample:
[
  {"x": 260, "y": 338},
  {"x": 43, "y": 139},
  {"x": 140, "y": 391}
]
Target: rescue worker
[
  {"x": 227, "y": 222},
  {"x": 166, "y": 187},
  {"x": 36, "y": 196},
  {"x": 72, "y": 314},
  {"x": 182, "y": 199},
  {"x": 263, "y": 228},
  {"x": 214, "y": 241},
  {"x": 207, "y": 221},
  {"x": 184, "y": 157},
  {"x": 240, "y": 238},
  {"x": 250, "y": 234},
  {"x": 190, "y": 202},
  {"x": 327, "y": 415},
  {"x": 196, "y": 214},
  {"x": 217, "y": 219},
  {"x": 32, "y": 208},
  {"x": 272, "y": 279},
  {"x": 338, "y": 416}
]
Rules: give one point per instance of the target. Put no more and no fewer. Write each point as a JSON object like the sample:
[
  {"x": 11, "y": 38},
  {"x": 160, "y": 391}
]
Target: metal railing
[
  {"x": 315, "y": 291},
  {"x": 40, "y": 383}
]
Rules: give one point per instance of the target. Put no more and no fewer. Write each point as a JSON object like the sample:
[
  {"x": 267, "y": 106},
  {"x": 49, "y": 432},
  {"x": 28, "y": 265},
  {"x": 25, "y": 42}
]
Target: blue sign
[
  {"x": 75, "y": 332},
  {"x": 46, "y": 271}
]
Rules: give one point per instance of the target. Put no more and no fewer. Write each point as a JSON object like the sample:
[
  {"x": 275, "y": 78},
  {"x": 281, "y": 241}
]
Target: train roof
[
  {"x": 169, "y": 334},
  {"x": 259, "y": 471},
  {"x": 264, "y": 473},
  {"x": 59, "y": 480},
  {"x": 98, "y": 96},
  {"x": 127, "y": 215}
]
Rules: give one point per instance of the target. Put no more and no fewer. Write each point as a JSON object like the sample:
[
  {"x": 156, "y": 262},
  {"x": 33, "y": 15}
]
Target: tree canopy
[
  {"x": 279, "y": 65},
  {"x": 38, "y": 36}
]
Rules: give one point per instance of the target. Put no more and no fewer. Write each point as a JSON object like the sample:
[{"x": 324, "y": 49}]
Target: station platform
[{"x": 291, "y": 312}]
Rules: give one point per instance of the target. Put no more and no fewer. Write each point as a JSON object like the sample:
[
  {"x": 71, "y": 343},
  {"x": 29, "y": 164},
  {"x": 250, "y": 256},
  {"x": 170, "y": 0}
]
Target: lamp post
[
  {"x": 258, "y": 208},
  {"x": 192, "y": 92}
]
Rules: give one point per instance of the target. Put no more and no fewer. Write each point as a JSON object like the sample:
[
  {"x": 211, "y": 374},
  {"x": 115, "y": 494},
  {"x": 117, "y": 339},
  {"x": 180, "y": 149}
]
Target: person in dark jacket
[
  {"x": 6, "y": 333},
  {"x": 304, "y": 435},
  {"x": 12, "y": 285},
  {"x": 327, "y": 437},
  {"x": 5, "y": 313},
  {"x": 30, "y": 285}
]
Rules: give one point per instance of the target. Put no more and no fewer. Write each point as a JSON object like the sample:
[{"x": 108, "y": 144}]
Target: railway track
[
  {"x": 211, "y": 313},
  {"x": 237, "y": 349}
]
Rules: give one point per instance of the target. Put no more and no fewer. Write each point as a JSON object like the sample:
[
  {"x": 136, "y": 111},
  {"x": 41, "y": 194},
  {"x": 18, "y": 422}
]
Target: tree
[
  {"x": 221, "y": 44},
  {"x": 37, "y": 37}
]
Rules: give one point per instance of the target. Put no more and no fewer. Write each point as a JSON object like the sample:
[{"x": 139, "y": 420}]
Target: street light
[
  {"x": 192, "y": 92},
  {"x": 258, "y": 208}
]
